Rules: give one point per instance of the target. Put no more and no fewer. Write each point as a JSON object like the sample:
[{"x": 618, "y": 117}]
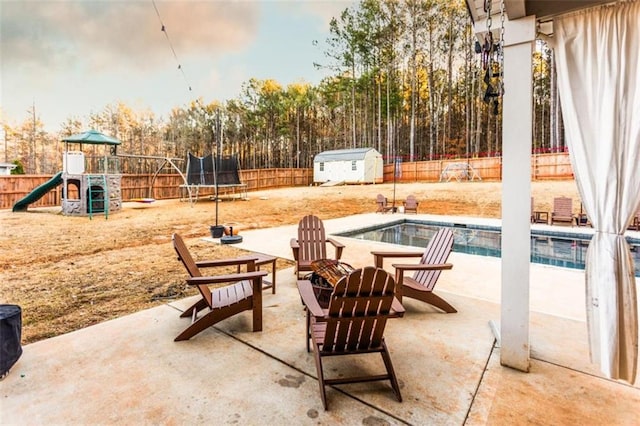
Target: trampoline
[{"x": 201, "y": 173}]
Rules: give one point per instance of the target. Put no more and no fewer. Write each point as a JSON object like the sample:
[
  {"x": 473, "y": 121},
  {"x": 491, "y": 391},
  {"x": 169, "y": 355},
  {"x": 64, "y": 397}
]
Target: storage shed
[
  {"x": 358, "y": 165},
  {"x": 5, "y": 168}
]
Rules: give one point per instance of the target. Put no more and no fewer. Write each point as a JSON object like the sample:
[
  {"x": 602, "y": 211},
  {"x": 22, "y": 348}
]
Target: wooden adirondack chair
[
  {"x": 411, "y": 204},
  {"x": 427, "y": 271},
  {"x": 311, "y": 244},
  {"x": 383, "y": 204},
  {"x": 562, "y": 211},
  {"x": 243, "y": 292},
  {"x": 354, "y": 324}
]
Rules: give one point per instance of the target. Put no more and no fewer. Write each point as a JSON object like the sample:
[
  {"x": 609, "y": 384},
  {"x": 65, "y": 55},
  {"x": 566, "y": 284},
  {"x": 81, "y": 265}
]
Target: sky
[{"x": 69, "y": 58}]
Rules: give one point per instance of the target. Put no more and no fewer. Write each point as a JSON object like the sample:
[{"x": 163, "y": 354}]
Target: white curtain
[{"x": 598, "y": 66}]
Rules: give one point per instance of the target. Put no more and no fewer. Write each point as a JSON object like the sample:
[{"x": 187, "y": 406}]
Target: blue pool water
[{"x": 558, "y": 249}]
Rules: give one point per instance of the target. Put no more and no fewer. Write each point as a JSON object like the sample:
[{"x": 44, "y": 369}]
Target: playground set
[
  {"x": 88, "y": 187},
  {"x": 96, "y": 190},
  {"x": 92, "y": 183}
]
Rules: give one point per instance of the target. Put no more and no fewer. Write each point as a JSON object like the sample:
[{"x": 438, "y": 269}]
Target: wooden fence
[
  {"x": 165, "y": 186},
  {"x": 543, "y": 167}
]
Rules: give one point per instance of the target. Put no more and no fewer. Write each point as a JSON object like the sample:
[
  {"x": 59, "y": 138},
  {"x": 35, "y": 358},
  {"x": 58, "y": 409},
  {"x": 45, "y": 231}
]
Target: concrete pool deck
[{"x": 129, "y": 370}]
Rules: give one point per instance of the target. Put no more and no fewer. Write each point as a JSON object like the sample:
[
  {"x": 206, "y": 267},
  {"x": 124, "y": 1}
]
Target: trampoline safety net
[{"x": 200, "y": 171}]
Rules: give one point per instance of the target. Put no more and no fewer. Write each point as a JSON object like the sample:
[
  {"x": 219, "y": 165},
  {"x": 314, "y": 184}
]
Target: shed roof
[{"x": 342, "y": 155}]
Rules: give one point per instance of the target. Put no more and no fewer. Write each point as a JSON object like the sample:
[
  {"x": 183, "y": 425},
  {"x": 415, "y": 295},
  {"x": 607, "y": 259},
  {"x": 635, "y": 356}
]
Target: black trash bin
[
  {"x": 216, "y": 231},
  {"x": 10, "y": 335}
]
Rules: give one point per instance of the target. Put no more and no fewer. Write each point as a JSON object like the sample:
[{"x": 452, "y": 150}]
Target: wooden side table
[
  {"x": 264, "y": 259},
  {"x": 540, "y": 217}
]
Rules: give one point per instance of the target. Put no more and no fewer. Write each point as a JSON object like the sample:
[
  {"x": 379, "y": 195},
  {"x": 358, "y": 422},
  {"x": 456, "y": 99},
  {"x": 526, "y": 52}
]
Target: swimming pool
[{"x": 566, "y": 250}]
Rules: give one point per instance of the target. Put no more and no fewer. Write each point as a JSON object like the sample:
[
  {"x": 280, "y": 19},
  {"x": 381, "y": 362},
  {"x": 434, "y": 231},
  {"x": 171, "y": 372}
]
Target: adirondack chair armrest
[
  {"x": 227, "y": 278},
  {"x": 309, "y": 299},
  {"x": 378, "y": 256},
  {"x": 423, "y": 267},
  {"x": 400, "y": 268},
  {"x": 338, "y": 245},
  {"x": 335, "y": 243},
  {"x": 225, "y": 262},
  {"x": 295, "y": 247}
]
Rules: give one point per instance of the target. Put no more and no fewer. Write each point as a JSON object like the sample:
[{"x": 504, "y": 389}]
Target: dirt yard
[{"x": 71, "y": 272}]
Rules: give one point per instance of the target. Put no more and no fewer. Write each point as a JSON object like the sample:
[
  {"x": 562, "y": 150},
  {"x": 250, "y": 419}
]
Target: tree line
[{"x": 404, "y": 78}]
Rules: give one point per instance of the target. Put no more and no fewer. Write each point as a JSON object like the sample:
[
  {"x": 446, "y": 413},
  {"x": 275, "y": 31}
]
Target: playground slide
[{"x": 37, "y": 193}]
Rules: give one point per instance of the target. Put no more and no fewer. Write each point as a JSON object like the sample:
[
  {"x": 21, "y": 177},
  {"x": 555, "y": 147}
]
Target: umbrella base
[{"x": 231, "y": 239}]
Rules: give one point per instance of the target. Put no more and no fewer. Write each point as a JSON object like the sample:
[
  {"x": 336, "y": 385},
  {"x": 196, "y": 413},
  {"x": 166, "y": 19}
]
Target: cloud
[
  {"x": 73, "y": 57},
  {"x": 227, "y": 83},
  {"x": 101, "y": 35},
  {"x": 325, "y": 10}
]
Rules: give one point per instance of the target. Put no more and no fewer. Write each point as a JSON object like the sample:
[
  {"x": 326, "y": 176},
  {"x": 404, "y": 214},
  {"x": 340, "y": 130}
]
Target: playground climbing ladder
[{"x": 97, "y": 189}]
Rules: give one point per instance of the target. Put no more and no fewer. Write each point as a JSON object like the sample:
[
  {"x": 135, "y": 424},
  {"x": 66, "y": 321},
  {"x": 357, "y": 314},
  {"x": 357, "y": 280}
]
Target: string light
[{"x": 166, "y": 34}]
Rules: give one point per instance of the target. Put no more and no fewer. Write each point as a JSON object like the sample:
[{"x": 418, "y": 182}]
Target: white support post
[{"x": 517, "y": 131}]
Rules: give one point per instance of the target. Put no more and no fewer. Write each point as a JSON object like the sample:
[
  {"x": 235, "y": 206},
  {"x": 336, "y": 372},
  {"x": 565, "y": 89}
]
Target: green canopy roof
[{"x": 92, "y": 137}]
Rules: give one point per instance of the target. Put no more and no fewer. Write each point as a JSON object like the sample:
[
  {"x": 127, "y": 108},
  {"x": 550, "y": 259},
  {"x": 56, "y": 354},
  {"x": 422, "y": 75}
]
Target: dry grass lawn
[{"x": 71, "y": 272}]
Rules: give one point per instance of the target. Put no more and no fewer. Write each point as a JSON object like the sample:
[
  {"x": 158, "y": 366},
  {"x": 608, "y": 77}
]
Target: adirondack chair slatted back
[
  {"x": 358, "y": 311},
  {"x": 563, "y": 207},
  {"x": 190, "y": 265},
  {"x": 382, "y": 203},
  {"x": 312, "y": 238},
  {"x": 437, "y": 252},
  {"x": 411, "y": 204}
]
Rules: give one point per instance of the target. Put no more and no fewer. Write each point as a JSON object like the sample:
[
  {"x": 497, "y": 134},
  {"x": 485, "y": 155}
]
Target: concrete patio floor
[{"x": 130, "y": 371}]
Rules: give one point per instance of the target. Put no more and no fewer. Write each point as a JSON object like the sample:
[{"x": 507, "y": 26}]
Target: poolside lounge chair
[
  {"x": 383, "y": 204},
  {"x": 311, "y": 244},
  {"x": 410, "y": 204},
  {"x": 562, "y": 211},
  {"x": 538, "y": 216},
  {"x": 243, "y": 292},
  {"x": 427, "y": 271},
  {"x": 354, "y": 324}
]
